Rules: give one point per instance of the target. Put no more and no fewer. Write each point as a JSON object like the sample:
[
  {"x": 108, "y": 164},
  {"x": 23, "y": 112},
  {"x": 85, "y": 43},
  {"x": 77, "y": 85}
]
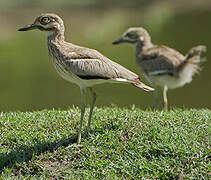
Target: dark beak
[
  {"x": 121, "y": 40},
  {"x": 28, "y": 27}
]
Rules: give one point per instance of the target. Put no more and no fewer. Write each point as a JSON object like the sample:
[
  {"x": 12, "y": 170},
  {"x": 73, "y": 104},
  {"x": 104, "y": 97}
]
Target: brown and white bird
[
  {"x": 80, "y": 65},
  {"x": 162, "y": 66}
]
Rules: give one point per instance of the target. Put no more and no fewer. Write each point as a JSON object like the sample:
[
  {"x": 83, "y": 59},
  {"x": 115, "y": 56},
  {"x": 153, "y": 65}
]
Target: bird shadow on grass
[{"x": 26, "y": 153}]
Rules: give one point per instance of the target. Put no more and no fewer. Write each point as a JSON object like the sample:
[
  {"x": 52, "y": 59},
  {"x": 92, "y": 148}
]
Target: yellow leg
[
  {"x": 165, "y": 89},
  {"x": 94, "y": 96},
  {"x": 83, "y": 106}
]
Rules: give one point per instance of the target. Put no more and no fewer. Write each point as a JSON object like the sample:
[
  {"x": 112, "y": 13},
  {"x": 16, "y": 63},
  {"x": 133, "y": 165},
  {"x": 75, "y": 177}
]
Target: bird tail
[
  {"x": 197, "y": 50},
  {"x": 136, "y": 82},
  {"x": 194, "y": 58},
  {"x": 139, "y": 84}
]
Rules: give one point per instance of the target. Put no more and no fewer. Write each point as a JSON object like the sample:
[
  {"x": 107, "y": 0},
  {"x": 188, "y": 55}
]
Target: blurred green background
[{"x": 28, "y": 80}]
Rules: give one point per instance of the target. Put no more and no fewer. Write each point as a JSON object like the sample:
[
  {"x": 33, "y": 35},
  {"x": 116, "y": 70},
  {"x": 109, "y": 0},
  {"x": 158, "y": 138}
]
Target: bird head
[
  {"x": 45, "y": 22},
  {"x": 133, "y": 35}
]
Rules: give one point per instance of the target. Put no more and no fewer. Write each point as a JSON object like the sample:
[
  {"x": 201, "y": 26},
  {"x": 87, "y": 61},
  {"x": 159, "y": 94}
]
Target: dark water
[{"x": 28, "y": 80}]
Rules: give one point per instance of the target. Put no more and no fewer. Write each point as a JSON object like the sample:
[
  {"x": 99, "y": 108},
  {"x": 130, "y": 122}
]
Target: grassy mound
[{"x": 123, "y": 143}]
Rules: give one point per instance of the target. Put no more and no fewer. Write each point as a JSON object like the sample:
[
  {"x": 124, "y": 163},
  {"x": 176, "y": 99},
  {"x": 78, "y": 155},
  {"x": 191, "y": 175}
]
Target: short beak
[
  {"x": 28, "y": 27},
  {"x": 121, "y": 40}
]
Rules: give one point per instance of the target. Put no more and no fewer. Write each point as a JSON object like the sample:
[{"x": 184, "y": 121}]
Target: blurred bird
[
  {"x": 80, "y": 65},
  {"x": 162, "y": 66}
]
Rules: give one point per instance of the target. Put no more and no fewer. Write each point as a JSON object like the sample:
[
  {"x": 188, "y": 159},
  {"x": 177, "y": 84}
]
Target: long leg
[
  {"x": 94, "y": 96},
  {"x": 165, "y": 89},
  {"x": 83, "y": 106}
]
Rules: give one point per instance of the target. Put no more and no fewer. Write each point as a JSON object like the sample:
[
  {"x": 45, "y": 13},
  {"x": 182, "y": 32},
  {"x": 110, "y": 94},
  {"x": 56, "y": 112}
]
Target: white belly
[
  {"x": 166, "y": 80},
  {"x": 172, "y": 82}
]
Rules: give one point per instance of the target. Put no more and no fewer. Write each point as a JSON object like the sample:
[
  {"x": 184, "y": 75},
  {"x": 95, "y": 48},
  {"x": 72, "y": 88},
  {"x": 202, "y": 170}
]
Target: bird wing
[
  {"x": 90, "y": 64},
  {"x": 160, "y": 60}
]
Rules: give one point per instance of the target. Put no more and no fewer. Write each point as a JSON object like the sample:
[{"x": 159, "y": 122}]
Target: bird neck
[
  {"x": 142, "y": 45},
  {"x": 57, "y": 35}
]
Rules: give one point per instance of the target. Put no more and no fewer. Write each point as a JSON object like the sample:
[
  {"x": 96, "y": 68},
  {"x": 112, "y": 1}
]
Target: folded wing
[
  {"x": 160, "y": 60},
  {"x": 88, "y": 62}
]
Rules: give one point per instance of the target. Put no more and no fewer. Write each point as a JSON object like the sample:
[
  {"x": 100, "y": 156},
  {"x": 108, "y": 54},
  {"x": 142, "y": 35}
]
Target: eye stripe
[{"x": 52, "y": 19}]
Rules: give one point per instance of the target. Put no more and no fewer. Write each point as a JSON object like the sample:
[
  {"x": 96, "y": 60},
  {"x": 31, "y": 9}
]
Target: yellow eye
[{"x": 45, "y": 20}]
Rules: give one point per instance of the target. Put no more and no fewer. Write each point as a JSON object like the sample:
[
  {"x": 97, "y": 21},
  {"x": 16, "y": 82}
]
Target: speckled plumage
[
  {"x": 86, "y": 64},
  {"x": 86, "y": 67},
  {"x": 80, "y": 65}
]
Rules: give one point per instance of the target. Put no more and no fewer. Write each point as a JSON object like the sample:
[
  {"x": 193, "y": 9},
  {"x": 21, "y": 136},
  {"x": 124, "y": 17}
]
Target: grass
[{"x": 123, "y": 144}]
